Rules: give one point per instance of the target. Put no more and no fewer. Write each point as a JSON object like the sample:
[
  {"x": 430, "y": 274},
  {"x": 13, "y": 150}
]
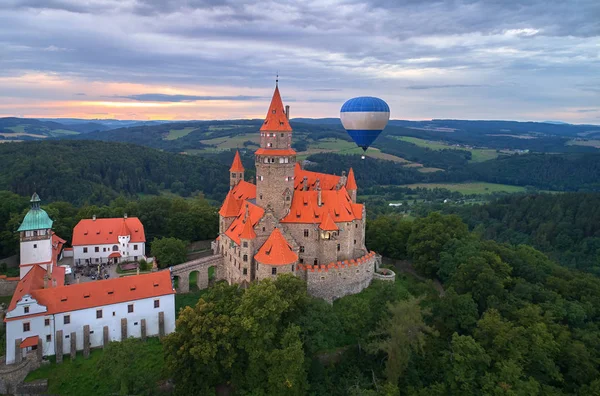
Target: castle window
[
  {"x": 316, "y": 262},
  {"x": 338, "y": 247},
  {"x": 301, "y": 249},
  {"x": 301, "y": 261},
  {"x": 287, "y": 198},
  {"x": 135, "y": 247},
  {"x": 46, "y": 322},
  {"x": 269, "y": 144},
  {"x": 263, "y": 229},
  {"x": 85, "y": 250},
  {"x": 66, "y": 319},
  {"x": 26, "y": 309},
  {"x": 273, "y": 111},
  {"x": 48, "y": 338},
  {"x": 115, "y": 248},
  {"x": 245, "y": 244},
  {"x": 233, "y": 175},
  {"x": 306, "y": 233},
  {"x": 130, "y": 308},
  {"x": 98, "y": 314},
  {"x": 272, "y": 160},
  {"x": 26, "y": 327},
  {"x": 273, "y": 271},
  {"x": 35, "y": 245},
  {"x": 282, "y": 135},
  {"x": 245, "y": 271},
  {"x": 156, "y": 303},
  {"x": 281, "y": 160},
  {"x": 356, "y": 225},
  {"x": 355, "y": 241},
  {"x": 97, "y": 249},
  {"x": 245, "y": 257},
  {"x": 34, "y": 233}
]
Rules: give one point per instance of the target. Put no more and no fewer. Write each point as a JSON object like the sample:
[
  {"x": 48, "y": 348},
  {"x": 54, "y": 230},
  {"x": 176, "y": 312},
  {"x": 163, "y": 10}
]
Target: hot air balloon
[{"x": 364, "y": 118}]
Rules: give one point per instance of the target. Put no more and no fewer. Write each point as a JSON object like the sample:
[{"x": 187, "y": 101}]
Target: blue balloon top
[{"x": 364, "y": 104}]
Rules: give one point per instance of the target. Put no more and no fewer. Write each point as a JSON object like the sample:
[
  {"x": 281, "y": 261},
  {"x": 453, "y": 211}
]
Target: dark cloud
[
  {"x": 156, "y": 97},
  {"x": 80, "y": 94},
  {"x": 588, "y": 110}
]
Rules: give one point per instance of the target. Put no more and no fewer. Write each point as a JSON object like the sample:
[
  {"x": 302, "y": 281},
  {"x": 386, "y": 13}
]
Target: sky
[{"x": 217, "y": 59}]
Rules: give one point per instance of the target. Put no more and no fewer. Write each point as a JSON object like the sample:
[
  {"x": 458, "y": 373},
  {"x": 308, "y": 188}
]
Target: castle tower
[
  {"x": 351, "y": 185},
  {"x": 275, "y": 160},
  {"x": 35, "y": 234},
  {"x": 236, "y": 172}
]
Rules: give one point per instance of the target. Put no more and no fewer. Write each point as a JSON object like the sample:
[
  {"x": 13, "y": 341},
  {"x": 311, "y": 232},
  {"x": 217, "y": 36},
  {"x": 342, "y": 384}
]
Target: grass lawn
[
  {"x": 589, "y": 143},
  {"x": 232, "y": 142},
  {"x": 471, "y": 188},
  {"x": 62, "y": 132},
  {"x": 80, "y": 377},
  {"x": 183, "y": 300},
  {"x": 477, "y": 155},
  {"x": 178, "y": 133},
  {"x": 429, "y": 170}
]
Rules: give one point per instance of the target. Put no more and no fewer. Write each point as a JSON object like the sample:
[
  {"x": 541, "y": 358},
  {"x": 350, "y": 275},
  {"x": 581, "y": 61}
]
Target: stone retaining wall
[
  {"x": 385, "y": 274},
  {"x": 340, "y": 279},
  {"x": 8, "y": 285},
  {"x": 14, "y": 374}
]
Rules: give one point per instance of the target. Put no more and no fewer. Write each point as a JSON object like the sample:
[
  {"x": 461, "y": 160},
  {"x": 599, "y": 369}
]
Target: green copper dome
[{"x": 36, "y": 218}]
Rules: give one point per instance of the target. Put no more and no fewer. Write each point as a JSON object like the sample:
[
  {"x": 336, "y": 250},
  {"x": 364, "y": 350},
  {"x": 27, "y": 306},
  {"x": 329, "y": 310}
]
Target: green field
[
  {"x": 477, "y": 155},
  {"x": 178, "y": 133},
  {"x": 588, "y": 143},
  {"x": 224, "y": 143},
  {"x": 471, "y": 188}
]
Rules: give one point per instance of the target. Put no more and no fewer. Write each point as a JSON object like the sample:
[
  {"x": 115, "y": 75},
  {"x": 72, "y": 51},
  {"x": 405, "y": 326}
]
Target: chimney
[
  {"x": 287, "y": 111},
  {"x": 77, "y": 279},
  {"x": 94, "y": 218},
  {"x": 246, "y": 214},
  {"x": 46, "y": 281},
  {"x": 53, "y": 282},
  {"x": 305, "y": 184},
  {"x": 319, "y": 199},
  {"x": 125, "y": 215}
]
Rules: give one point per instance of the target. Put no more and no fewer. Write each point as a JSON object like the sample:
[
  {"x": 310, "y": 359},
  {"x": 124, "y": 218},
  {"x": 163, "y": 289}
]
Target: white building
[
  {"x": 46, "y": 314},
  {"x": 103, "y": 240}
]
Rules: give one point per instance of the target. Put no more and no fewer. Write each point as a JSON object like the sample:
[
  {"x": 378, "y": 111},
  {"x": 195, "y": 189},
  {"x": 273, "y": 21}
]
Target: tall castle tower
[
  {"x": 275, "y": 160},
  {"x": 35, "y": 234}
]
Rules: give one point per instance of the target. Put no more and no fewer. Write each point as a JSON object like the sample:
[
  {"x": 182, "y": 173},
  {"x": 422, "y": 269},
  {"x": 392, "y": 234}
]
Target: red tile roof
[
  {"x": 276, "y": 119},
  {"x": 248, "y": 231},
  {"x": 107, "y": 231},
  {"x": 29, "y": 342},
  {"x": 351, "y": 182},
  {"x": 326, "y": 182},
  {"x": 268, "y": 151},
  {"x": 336, "y": 203},
  {"x": 231, "y": 206},
  {"x": 237, "y": 166},
  {"x": 276, "y": 250},
  {"x": 114, "y": 255},
  {"x": 103, "y": 292},
  {"x": 328, "y": 224},
  {"x": 237, "y": 227},
  {"x": 244, "y": 190}
]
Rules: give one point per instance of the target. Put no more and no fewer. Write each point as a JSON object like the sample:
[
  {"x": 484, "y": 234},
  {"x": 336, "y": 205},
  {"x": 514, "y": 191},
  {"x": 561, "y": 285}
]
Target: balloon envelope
[{"x": 364, "y": 118}]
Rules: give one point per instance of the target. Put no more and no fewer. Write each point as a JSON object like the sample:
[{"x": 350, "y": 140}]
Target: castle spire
[
  {"x": 237, "y": 166},
  {"x": 276, "y": 119}
]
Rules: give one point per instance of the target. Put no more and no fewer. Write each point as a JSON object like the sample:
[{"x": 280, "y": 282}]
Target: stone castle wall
[
  {"x": 339, "y": 279},
  {"x": 8, "y": 285}
]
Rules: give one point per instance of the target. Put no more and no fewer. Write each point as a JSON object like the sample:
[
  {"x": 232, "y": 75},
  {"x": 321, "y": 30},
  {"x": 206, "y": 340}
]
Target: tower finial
[{"x": 277, "y": 79}]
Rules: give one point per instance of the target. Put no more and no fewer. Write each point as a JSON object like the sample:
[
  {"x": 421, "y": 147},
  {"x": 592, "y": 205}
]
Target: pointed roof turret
[
  {"x": 231, "y": 206},
  {"x": 276, "y": 250},
  {"x": 248, "y": 231},
  {"x": 276, "y": 119},
  {"x": 328, "y": 224},
  {"x": 124, "y": 229},
  {"x": 237, "y": 166},
  {"x": 351, "y": 182}
]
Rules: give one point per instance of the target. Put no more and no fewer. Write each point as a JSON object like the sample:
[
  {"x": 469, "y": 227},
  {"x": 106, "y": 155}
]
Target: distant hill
[
  {"x": 97, "y": 172},
  {"x": 13, "y": 128}
]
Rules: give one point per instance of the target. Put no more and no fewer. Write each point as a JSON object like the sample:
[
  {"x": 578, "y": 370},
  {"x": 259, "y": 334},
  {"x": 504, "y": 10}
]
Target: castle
[{"x": 293, "y": 220}]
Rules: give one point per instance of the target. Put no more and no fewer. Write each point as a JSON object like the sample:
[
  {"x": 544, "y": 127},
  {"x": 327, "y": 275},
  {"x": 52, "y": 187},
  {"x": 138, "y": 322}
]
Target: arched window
[
  {"x": 245, "y": 257},
  {"x": 115, "y": 248}
]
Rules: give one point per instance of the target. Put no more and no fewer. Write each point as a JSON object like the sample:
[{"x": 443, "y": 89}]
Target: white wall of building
[
  {"x": 37, "y": 251},
  {"x": 111, "y": 317},
  {"x": 127, "y": 250}
]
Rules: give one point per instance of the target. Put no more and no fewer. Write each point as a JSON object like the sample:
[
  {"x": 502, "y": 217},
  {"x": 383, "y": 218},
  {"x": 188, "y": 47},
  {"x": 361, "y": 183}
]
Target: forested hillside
[
  {"x": 97, "y": 172},
  {"x": 565, "y": 226}
]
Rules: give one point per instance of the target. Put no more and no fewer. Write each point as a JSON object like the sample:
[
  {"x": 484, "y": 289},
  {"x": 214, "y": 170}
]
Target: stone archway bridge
[{"x": 200, "y": 266}]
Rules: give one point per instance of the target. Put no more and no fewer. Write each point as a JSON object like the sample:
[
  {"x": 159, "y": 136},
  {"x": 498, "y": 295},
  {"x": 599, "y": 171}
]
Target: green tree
[
  {"x": 429, "y": 236},
  {"x": 168, "y": 251},
  {"x": 400, "y": 336}
]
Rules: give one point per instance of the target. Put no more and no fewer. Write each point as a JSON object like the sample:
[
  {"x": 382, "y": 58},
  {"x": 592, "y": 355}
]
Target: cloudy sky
[{"x": 215, "y": 59}]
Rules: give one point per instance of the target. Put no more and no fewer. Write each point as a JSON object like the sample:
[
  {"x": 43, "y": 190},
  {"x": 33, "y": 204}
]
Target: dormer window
[{"x": 274, "y": 111}]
